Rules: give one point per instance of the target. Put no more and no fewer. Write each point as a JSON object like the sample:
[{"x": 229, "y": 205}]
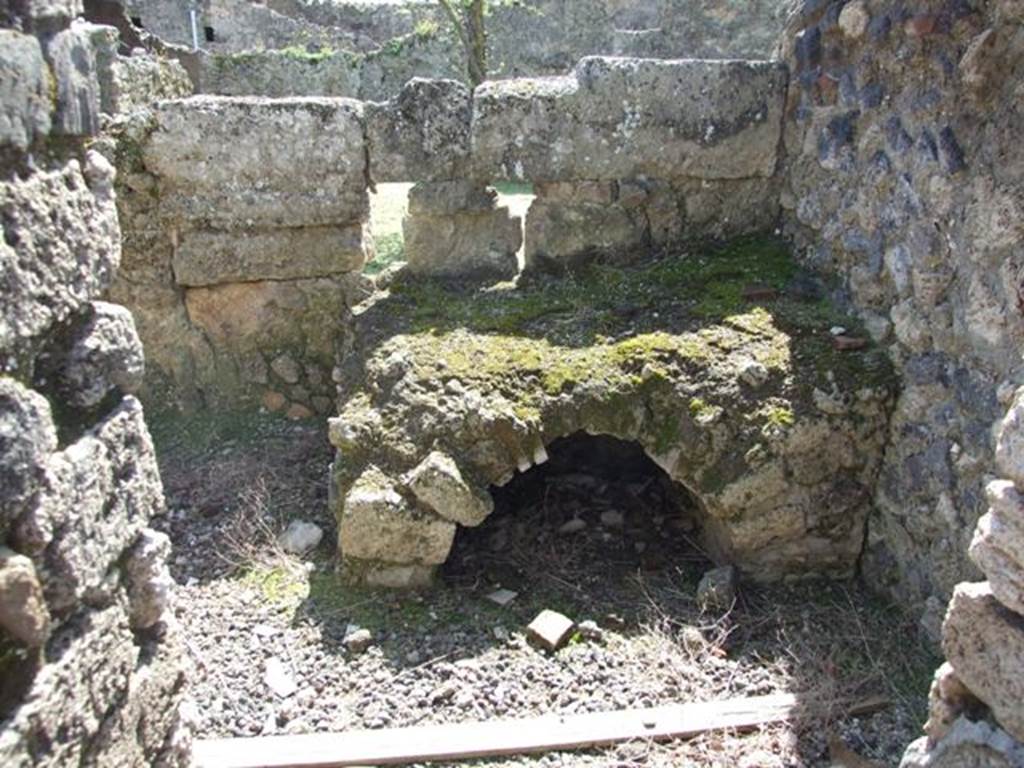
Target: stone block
[
  {"x": 717, "y": 589},
  {"x": 299, "y": 316},
  {"x": 23, "y": 613},
  {"x": 437, "y": 483},
  {"x": 550, "y": 630},
  {"x": 149, "y": 581},
  {"x": 102, "y": 491},
  {"x": 969, "y": 744},
  {"x": 104, "y": 355},
  {"x": 302, "y": 163},
  {"x": 35, "y": 14},
  {"x": 378, "y": 524},
  {"x": 140, "y": 80},
  {"x": 447, "y": 198},
  {"x": 27, "y": 437},
  {"x": 422, "y": 134},
  {"x": 61, "y": 245},
  {"x": 480, "y": 244},
  {"x": 1010, "y": 442},
  {"x": 72, "y": 55},
  {"x": 206, "y": 257},
  {"x": 984, "y": 642},
  {"x": 71, "y": 698},
  {"x": 562, "y": 234},
  {"x": 24, "y": 91},
  {"x": 998, "y": 544},
  {"x": 625, "y": 118}
]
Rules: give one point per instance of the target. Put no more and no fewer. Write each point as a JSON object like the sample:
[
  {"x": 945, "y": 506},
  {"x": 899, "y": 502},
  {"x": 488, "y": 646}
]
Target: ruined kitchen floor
[{"x": 267, "y": 631}]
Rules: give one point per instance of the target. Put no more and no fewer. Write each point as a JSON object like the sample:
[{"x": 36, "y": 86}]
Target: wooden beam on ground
[{"x": 461, "y": 741}]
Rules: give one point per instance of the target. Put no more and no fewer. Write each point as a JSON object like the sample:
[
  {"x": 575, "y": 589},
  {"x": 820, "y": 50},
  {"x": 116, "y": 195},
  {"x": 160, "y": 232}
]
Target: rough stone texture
[
  {"x": 27, "y": 437},
  {"x": 565, "y": 229},
  {"x": 264, "y": 243},
  {"x": 377, "y": 523},
  {"x": 422, "y": 134},
  {"x": 984, "y": 642},
  {"x": 904, "y": 179},
  {"x": 23, "y": 613},
  {"x": 432, "y": 368},
  {"x": 102, "y": 490},
  {"x": 60, "y": 248},
  {"x": 470, "y": 242},
  {"x": 570, "y": 222},
  {"x": 248, "y": 324},
  {"x": 998, "y": 546},
  {"x": 92, "y": 666},
  {"x": 369, "y": 50},
  {"x": 303, "y": 162},
  {"x": 1010, "y": 442},
  {"x": 214, "y": 257},
  {"x": 149, "y": 580},
  {"x": 137, "y": 81},
  {"x": 105, "y": 355},
  {"x": 24, "y": 86},
  {"x": 437, "y": 483},
  {"x": 970, "y": 744},
  {"x": 624, "y": 118},
  {"x": 72, "y": 54}
]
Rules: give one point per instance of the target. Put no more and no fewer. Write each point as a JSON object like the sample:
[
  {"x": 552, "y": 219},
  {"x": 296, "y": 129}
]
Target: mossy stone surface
[{"x": 649, "y": 352}]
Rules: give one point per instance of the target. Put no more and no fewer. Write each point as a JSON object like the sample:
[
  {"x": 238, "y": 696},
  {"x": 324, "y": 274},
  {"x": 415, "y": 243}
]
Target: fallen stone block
[
  {"x": 300, "y": 537},
  {"x": 437, "y": 483},
  {"x": 550, "y": 630},
  {"x": 717, "y": 589}
]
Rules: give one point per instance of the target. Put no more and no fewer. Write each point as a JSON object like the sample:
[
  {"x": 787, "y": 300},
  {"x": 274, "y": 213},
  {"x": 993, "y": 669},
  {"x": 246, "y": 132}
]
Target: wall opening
[
  {"x": 517, "y": 196},
  {"x": 599, "y": 511},
  {"x": 389, "y": 205},
  {"x": 209, "y": 34},
  {"x": 137, "y": 22}
]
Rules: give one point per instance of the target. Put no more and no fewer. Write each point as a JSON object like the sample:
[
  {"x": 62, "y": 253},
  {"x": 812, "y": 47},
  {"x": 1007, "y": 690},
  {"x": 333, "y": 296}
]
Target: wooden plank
[{"x": 488, "y": 739}]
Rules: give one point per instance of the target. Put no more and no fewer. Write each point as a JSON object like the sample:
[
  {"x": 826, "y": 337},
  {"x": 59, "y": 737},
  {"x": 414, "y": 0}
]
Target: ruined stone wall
[
  {"x": 242, "y": 258},
  {"x": 91, "y": 661},
  {"x": 905, "y": 171},
  {"x": 904, "y": 179},
  {"x": 369, "y": 50}
]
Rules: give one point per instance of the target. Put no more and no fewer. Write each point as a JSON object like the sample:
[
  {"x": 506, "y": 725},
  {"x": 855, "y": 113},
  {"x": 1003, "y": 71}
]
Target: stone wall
[
  {"x": 905, "y": 175},
  {"x": 242, "y": 259},
  {"x": 92, "y": 664},
  {"x": 369, "y": 50},
  {"x": 904, "y": 171}
]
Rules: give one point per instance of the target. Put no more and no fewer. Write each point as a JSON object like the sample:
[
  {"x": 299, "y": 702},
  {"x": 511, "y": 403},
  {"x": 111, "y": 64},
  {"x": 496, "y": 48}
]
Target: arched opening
[{"x": 598, "y": 513}]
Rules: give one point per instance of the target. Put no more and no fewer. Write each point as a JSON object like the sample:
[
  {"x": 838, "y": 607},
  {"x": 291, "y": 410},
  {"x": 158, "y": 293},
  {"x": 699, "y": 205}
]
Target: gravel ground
[{"x": 267, "y": 631}]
